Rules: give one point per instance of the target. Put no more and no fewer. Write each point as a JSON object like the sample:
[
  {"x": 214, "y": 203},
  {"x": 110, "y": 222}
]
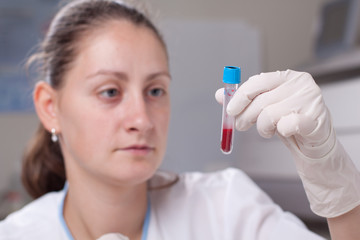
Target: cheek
[
  {"x": 162, "y": 120},
  {"x": 82, "y": 129}
]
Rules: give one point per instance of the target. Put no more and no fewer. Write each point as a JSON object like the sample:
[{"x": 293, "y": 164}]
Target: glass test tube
[{"x": 231, "y": 80}]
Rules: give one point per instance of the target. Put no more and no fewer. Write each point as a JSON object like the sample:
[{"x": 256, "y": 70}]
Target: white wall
[
  {"x": 15, "y": 131},
  {"x": 287, "y": 26},
  {"x": 343, "y": 101}
]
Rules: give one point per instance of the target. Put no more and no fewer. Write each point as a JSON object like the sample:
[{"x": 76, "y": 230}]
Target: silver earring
[{"x": 54, "y": 137}]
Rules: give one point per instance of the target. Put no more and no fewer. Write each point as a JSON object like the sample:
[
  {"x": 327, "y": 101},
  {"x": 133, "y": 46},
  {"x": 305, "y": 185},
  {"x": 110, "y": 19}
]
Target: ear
[{"x": 45, "y": 98}]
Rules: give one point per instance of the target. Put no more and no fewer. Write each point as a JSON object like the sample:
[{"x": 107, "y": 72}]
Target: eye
[
  {"x": 110, "y": 93},
  {"x": 156, "y": 92}
]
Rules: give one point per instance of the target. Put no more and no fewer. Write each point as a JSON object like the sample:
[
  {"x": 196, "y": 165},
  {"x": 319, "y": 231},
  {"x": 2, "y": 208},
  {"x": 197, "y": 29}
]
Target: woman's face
[{"x": 113, "y": 110}]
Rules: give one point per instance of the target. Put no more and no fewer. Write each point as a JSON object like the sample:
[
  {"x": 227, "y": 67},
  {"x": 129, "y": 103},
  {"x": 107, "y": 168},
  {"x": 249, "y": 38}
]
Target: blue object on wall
[{"x": 22, "y": 25}]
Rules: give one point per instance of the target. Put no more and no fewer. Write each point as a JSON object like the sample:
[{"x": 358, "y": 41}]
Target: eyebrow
[
  {"x": 120, "y": 75},
  {"x": 159, "y": 74},
  {"x": 123, "y": 76}
]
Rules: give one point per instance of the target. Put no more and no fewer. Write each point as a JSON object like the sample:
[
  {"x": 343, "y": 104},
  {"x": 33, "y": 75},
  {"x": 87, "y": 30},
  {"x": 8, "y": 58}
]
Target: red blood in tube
[{"x": 226, "y": 140}]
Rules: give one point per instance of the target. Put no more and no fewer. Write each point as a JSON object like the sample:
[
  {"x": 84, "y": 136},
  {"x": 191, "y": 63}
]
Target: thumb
[{"x": 219, "y": 95}]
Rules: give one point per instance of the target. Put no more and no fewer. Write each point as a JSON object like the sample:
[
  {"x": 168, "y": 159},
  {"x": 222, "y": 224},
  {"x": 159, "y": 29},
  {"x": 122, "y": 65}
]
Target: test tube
[{"x": 231, "y": 80}]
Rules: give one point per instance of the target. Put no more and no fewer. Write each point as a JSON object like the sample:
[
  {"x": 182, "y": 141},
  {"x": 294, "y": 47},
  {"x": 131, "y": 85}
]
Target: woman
[{"x": 103, "y": 102}]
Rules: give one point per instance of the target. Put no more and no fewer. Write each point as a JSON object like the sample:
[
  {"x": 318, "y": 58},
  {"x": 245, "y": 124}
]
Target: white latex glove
[
  {"x": 113, "y": 236},
  {"x": 290, "y": 104}
]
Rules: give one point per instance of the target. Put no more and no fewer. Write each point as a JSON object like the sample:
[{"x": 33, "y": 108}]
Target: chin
[{"x": 134, "y": 174}]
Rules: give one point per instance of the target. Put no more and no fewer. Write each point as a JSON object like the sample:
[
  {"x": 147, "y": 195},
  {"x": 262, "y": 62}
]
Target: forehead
[
  {"x": 118, "y": 32},
  {"x": 120, "y": 45}
]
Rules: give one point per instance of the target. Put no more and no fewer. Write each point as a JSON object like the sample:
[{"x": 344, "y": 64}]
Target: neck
[{"x": 92, "y": 209}]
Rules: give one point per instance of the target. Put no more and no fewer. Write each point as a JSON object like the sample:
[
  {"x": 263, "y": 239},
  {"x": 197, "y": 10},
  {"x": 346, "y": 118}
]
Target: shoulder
[
  {"x": 36, "y": 219},
  {"x": 219, "y": 193},
  {"x": 220, "y": 203},
  {"x": 214, "y": 179},
  {"x": 230, "y": 179}
]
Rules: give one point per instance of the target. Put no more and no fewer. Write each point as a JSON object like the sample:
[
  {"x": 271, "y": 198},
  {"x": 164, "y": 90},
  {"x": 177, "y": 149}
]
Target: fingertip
[
  {"x": 241, "y": 125},
  {"x": 237, "y": 104},
  {"x": 296, "y": 124},
  {"x": 266, "y": 123},
  {"x": 230, "y": 109},
  {"x": 288, "y": 125},
  {"x": 266, "y": 134}
]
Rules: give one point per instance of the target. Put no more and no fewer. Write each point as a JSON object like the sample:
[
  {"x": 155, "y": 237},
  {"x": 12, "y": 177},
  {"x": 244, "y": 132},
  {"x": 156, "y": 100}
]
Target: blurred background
[{"x": 203, "y": 36}]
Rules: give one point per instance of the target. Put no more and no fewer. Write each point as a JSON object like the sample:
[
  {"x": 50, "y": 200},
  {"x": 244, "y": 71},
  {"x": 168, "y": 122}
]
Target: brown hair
[{"x": 43, "y": 168}]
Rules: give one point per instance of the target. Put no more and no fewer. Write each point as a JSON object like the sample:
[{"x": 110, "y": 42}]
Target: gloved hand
[
  {"x": 113, "y": 236},
  {"x": 290, "y": 104}
]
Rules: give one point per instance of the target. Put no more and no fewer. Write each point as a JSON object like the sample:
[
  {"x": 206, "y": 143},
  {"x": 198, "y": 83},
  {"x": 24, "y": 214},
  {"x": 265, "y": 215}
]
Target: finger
[
  {"x": 296, "y": 124},
  {"x": 251, "y": 113},
  {"x": 219, "y": 95},
  {"x": 304, "y": 131},
  {"x": 266, "y": 124},
  {"x": 288, "y": 108},
  {"x": 253, "y": 87}
]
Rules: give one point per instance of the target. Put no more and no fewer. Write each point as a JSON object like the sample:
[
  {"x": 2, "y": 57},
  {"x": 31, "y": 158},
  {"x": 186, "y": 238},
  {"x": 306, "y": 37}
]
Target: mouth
[{"x": 140, "y": 150}]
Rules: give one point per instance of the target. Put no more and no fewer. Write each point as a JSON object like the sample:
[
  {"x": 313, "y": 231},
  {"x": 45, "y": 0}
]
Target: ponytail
[{"x": 43, "y": 168}]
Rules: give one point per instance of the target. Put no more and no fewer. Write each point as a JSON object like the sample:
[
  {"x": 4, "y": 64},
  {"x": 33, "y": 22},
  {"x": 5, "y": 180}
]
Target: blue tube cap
[{"x": 231, "y": 75}]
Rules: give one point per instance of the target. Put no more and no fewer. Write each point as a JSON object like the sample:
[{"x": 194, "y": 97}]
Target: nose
[{"x": 137, "y": 115}]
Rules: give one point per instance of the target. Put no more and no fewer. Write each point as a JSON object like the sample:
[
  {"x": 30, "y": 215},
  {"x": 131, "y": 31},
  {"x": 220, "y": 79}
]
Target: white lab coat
[{"x": 220, "y": 205}]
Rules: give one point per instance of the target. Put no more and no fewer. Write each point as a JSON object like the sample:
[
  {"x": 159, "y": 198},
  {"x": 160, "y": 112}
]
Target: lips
[{"x": 138, "y": 149}]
